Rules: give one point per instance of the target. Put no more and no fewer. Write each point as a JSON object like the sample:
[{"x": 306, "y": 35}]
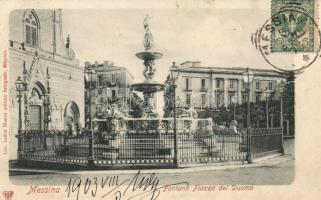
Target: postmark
[
  {"x": 290, "y": 40},
  {"x": 294, "y": 26}
]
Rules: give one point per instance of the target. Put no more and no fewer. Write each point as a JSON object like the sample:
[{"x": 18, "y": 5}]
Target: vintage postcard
[{"x": 155, "y": 100}]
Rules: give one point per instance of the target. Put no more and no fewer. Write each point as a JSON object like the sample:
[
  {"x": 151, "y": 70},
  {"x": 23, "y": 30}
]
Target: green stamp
[{"x": 293, "y": 26}]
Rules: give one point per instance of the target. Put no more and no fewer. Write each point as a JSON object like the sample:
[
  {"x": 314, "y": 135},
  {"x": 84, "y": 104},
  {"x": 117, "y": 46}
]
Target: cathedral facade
[{"x": 43, "y": 58}]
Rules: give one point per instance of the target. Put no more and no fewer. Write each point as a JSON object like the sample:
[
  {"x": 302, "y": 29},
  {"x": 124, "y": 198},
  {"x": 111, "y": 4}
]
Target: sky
[{"x": 216, "y": 37}]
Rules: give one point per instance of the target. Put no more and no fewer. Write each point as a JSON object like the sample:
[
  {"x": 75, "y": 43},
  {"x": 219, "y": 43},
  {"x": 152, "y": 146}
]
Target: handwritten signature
[{"x": 137, "y": 187}]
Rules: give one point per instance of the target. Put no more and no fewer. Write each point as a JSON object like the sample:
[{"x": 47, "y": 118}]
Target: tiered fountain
[
  {"x": 149, "y": 87},
  {"x": 150, "y": 136}
]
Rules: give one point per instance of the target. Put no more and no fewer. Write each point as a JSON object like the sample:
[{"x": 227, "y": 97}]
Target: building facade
[
  {"x": 203, "y": 87},
  {"x": 52, "y": 96},
  {"x": 109, "y": 85}
]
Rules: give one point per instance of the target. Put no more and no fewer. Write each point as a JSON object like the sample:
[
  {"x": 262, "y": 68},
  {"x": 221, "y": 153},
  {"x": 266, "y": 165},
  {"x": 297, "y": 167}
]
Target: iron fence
[
  {"x": 148, "y": 148},
  {"x": 265, "y": 141}
]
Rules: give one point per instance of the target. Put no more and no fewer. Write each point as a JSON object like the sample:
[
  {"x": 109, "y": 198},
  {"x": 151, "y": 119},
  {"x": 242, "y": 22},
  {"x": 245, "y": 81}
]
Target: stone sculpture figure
[{"x": 148, "y": 38}]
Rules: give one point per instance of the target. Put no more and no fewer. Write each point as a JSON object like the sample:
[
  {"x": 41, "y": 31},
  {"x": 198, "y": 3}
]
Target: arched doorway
[
  {"x": 36, "y": 107},
  {"x": 71, "y": 117}
]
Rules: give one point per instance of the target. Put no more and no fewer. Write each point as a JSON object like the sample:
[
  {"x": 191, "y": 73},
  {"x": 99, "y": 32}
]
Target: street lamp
[
  {"x": 89, "y": 73},
  {"x": 46, "y": 103},
  {"x": 248, "y": 78},
  {"x": 267, "y": 98},
  {"x": 20, "y": 88},
  {"x": 174, "y": 76},
  {"x": 282, "y": 88},
  {"x": 234, "y": 100}
]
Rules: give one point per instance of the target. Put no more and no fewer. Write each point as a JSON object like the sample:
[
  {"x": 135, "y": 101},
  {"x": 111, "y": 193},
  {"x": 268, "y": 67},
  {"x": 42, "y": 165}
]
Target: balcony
[
  {"x": 110, "y": 84},
  {"x": 204, "y": 89},
  {"x": 233, "y": 89},
  {"x": 99, "y": 85}
]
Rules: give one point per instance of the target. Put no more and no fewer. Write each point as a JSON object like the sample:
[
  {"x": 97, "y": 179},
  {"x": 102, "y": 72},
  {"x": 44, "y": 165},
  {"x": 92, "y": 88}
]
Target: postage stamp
[
  {"x": 293, "y": 30},
  {"x": 290, "y": 39}
]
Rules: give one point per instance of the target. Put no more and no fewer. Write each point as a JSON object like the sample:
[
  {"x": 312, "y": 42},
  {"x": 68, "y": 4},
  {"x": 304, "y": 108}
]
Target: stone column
[{"x": 225, "y": 91}]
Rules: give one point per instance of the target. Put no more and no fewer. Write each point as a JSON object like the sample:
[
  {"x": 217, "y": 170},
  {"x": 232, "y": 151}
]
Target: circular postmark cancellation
[{"x": 290, "y": 40}]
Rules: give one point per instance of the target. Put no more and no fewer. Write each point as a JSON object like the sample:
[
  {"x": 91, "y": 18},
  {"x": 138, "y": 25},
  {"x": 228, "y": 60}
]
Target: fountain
[
  {"x": 149, "y": 87},
  {"x": 151, "y": 136}
]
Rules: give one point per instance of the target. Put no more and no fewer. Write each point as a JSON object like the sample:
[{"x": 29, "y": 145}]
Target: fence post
[
  {"x": 44, "y": 137},
  {"x": 249, "y": 156},
  {"x": 19, "y": 144},
  {"x": 282, "y": 141},
  {"x": 91, "y": 156}
]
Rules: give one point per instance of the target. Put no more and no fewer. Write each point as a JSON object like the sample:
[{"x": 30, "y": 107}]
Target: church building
[{"x": 42, "y": 57}]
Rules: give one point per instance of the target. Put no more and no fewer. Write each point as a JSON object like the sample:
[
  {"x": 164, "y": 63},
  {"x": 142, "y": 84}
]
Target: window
[
  {"x": 271, "y": 97},
  {"x": 258, "y": 85},
  {"x": 218, "y": 100},
  {"x": 257, "y": 98},
  {"x": 203, "y": 98},
  {"x": 218, "y": 83},
  {"x": 232, "y": 99},
  {"x": 188, "y": 99},
  {"x": 270, "y": 85},
  {"x": 203, "y": 83},
  {"x": 232, "y": 84},
  {"x": 244, "y": 98},
  {"x": 100, "y": 80},
  {"x": 31, "y": 28},
  {"x": 187, "y": 84},
  {"x": 100, "y": 91},
  {"x": 113, "y": 78},
  {"x": 113, "y": 94},
  {"x": 244, "y": 85}
]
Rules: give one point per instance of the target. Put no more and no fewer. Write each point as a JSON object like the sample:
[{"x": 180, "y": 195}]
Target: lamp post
[
  {"x": 20, "y": 87},
  {"x": 248, "y": 78},
  {"x": 267, "y": 98},
  {"x": 281, "y": 87},
  {"x": 89, "y": 73},
  {"x": 174, "y": 76},
  {"x": 46, "y": 111},
  {"x": 234, "y": 100},
  {"x": 46, "y": 118}
]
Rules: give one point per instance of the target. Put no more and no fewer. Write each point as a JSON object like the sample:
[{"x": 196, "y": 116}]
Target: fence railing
[
  {"x": 146, "y": 148},
  {"x": 265, "y": 141}
]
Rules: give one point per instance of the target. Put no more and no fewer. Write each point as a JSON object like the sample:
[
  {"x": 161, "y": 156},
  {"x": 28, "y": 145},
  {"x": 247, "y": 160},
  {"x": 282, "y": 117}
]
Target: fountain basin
[
  {"x": 147, "y": 87},
  {"x": 148, "y": 55}
]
